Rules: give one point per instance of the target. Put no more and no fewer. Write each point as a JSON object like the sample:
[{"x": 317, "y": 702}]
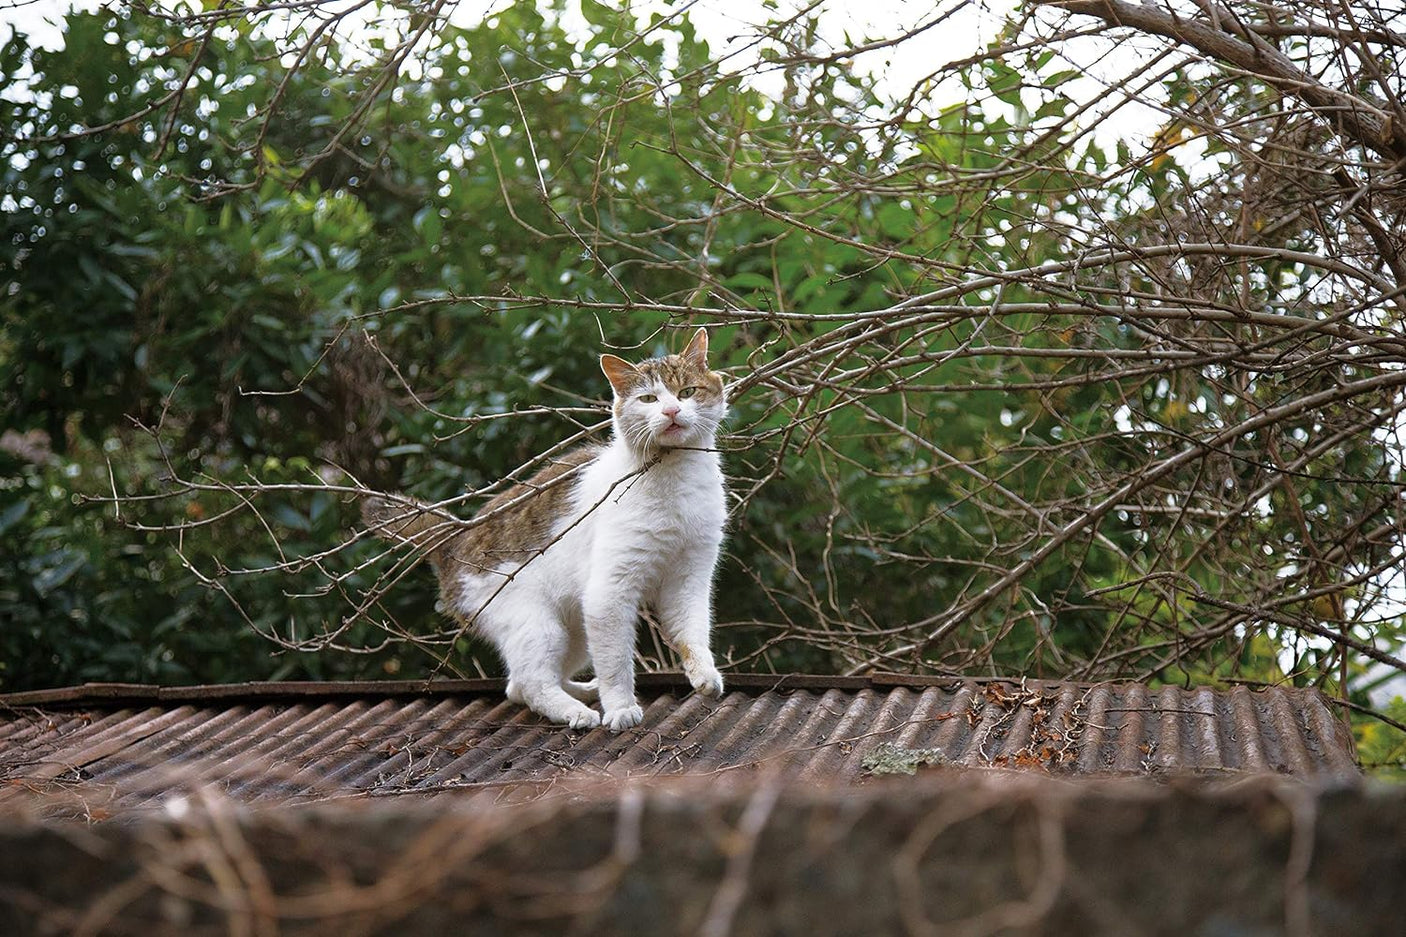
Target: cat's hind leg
[
  {"x": 554, "y": 703},
  {"x": 536, "y": 651}
]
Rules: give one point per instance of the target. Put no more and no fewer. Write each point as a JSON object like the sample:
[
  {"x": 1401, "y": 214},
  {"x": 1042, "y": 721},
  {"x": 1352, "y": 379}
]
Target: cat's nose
[{"x": 671, "y": 410}]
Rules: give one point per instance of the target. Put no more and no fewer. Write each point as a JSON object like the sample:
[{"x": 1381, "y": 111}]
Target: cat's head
[{"x": 667, "y": 402}]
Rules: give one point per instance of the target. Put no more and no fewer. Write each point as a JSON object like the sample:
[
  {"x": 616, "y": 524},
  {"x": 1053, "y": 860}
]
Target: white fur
[{"x": 646, "y": 529}]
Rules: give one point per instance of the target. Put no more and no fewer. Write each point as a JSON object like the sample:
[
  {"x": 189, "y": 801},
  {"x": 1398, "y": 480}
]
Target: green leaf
[
  {"x": 13, "y": 513},
  {"x": 746, "y": 280},
  {"x": 53, "y": 576},
  {"x": 427, "y": 224},
  {"x": 289, "y": 516}
]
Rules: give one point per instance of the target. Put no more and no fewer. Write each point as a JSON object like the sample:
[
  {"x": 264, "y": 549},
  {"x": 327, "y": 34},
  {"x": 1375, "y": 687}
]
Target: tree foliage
[{"x": 1079, "y": 358}]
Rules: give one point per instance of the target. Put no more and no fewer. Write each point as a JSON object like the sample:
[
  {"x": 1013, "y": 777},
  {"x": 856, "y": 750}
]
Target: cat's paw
[
  {"x": 626, "y": 717},
  {"x": 584, "y": 718},
  {"x": 705, "y": 679}
]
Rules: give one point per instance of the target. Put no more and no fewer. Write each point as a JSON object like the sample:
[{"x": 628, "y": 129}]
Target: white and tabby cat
[{"x": 557, "y": 569}]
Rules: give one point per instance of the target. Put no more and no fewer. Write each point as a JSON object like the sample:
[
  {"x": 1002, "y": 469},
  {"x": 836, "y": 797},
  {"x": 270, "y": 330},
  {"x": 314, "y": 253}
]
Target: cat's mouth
[{"x": 673, "y": 428}]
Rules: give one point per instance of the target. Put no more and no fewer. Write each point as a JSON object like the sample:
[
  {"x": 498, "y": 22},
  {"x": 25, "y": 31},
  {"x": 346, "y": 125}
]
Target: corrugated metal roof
[{"x": 101, "y": 749}]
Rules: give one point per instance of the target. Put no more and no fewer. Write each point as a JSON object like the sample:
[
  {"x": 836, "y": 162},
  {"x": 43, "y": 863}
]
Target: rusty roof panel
[{"x": 124, "y": 747}]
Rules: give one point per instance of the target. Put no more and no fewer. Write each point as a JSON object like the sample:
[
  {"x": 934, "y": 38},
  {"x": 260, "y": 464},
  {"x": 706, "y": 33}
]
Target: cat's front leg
[
  {"x": 685, "y": 607},
  {"x": 701, "y": 670},
  {"x": 610, "y": 613}
]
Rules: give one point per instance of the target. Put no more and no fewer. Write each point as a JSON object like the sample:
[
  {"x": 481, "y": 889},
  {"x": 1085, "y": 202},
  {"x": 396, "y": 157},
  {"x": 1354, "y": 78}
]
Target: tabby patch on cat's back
[{"x": 553, "y": 571}]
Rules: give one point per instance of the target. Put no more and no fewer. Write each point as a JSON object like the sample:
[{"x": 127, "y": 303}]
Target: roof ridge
[{"x": 305, "y": 689}]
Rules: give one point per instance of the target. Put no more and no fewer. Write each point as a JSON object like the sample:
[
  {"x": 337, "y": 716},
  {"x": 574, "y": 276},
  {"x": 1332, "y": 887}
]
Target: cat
[{"x": 555, "y": 570}]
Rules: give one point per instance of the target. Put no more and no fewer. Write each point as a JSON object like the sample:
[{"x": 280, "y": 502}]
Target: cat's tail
[{"x": 402, "y": 519}]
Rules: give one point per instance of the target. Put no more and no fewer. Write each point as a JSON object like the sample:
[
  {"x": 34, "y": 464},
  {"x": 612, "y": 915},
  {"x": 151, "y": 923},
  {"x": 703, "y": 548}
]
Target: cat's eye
[
  {"x": 648, "y": 398},
  {"x": 687, "y": 392}
]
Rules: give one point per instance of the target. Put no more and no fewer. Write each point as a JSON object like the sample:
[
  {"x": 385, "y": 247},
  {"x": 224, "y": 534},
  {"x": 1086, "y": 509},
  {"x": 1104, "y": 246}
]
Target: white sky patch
[{"x": 38, "y": 19}]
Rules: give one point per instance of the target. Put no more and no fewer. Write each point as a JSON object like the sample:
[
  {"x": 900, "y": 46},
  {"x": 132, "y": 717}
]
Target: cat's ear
[
  {"x": 621, "y": 374},
  {"x": 697, "y": 351}
]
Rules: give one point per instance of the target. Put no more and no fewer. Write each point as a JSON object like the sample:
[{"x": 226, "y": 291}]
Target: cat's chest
[
  {"x": 689, "y": 498},
  {"x": 671, "y": 503}
]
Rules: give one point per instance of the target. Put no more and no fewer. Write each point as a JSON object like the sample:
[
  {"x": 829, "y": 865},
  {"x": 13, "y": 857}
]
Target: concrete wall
[{"x": 955, "y": 853}]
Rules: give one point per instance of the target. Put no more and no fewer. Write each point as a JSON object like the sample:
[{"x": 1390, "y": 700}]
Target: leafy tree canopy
[{"x": 1016, "y": 389}]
